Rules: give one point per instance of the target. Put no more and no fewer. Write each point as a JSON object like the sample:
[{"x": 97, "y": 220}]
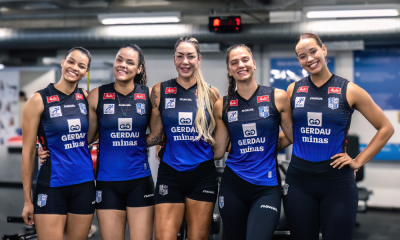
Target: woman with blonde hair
[{"x": 187, "y": 178}]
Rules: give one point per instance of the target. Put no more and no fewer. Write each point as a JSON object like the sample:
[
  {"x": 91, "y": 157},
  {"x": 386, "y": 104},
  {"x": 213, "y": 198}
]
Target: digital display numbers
[{"x": 230, "y": 24}]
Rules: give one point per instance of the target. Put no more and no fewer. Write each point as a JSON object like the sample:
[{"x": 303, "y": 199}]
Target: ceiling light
[
  {"x": 353, "y": 13},
  {"x": 139, "y": 18}
]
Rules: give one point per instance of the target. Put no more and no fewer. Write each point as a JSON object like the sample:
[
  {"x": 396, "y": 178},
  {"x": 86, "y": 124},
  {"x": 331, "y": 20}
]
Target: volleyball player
[
  {"x": 64, "y": 199},
  {"x": 320, "y": 191},
  {"x": 250, "y": 192},
  {"x": 187, "y": 178}
]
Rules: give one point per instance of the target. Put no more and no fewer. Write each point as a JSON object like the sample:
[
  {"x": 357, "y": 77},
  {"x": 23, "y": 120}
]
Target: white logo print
[
  {"x": 124, "y": 124},
  {"x": 249, "y": 130},
  {"x": 74, "y": 125},
  {"x": 108, "y": 108},
  {"x": 314, "y": 119},
  {"x": 232, "y": 116},
  {"x": 300, "y": 102},
  {"x": 170, "y": 103},
  {"x": 185, "y": 118},
  {"x": 55, "y": 111},
  {"x": 270, "y": 207}
]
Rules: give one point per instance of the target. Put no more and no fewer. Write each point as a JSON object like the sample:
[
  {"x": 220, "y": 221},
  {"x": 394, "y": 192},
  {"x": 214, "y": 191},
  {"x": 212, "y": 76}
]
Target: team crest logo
[
  {"x": 82, "y": 107},
  {"x": 221, "y": 201},
  {"x": 163, "y": 190},
  {"x": 140, "y": 108},
  {"x": 232, "y": 116},
  {"x": 264, "y": 111},
  {"x": 99, "y": 196},
  {"x": 42, "y": 200},
  {"x": 333, "y": 103}
]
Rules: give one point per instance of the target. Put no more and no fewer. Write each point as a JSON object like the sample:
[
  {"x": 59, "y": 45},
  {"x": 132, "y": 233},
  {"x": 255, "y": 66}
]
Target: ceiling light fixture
[
  {"x": 353, "y": 13},
  {"x": 139, "y": 18}
]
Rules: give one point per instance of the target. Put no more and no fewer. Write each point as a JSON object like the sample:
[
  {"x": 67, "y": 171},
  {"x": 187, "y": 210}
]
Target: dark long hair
[
  {"x": 140, "y": 78},
  {"x": 307, "y": 36},
  {"x": 231, "y": 79}
]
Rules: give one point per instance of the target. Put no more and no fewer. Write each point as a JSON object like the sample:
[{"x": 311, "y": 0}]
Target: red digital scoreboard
[{"x": 229, "y": 24}]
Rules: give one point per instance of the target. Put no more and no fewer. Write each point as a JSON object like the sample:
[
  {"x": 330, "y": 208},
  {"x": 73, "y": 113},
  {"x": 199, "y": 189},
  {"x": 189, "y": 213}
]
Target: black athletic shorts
[
  {"x": 118, "y": 195},
  {"x": 76, "y": 199},
  {"x": 200, "y": 184}
]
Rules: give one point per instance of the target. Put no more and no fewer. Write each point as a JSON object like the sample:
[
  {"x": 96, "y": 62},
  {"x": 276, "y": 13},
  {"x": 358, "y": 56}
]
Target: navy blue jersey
[
  {"x": 178, "y": 107},
  {"x": 253, "y": 127},
  {"x": 123, "y": 121},
  {"x": 321, "y": 118},
  {"x": 62, "y": 130}
]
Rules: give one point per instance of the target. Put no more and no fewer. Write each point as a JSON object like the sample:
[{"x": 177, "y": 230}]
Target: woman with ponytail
[
  {"x": 250, "y": 193},
  {"x": 120, "y": 113},
  {"x": 187, "y": 178}
]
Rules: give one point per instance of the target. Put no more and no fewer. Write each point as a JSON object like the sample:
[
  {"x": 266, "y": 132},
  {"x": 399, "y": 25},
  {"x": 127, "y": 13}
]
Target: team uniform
[
  {"x": 186, "y": 168},
  {"x": 250, "y": 192},
  {"x": 123, "y": 177},
  {"x": 65, "y": 182},
  {"x": 318, "y": 196}
]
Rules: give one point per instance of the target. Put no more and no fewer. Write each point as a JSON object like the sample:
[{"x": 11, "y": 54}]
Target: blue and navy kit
[
  {"x": 63, "y": 131},
  {"x": 123, "y": 121},
  {"x": 253, "y": 127},
  {"x": 178, "y": 107},
  {"x": 321, "y": 119}
]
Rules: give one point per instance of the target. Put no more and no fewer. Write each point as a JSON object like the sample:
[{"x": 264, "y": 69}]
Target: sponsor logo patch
[
  {"x": 74, "y": 125},
  {"x": 299, "y": 102},
  {"x": 249, "y": 130},
  {"x": 170, "y": 103},
  {"x": 108, "y": 108},
  {"x": 79, "y": 96},
  {"x": 42, "y": 200},
  {"x": 232, "y": 116},
  {"x": 185, "y": 118},
  {"x": 302, "y": 89},
  {"x": 69, "y": 106},
  {"x": 124, "y": 124},
  {"x": 263, "y": 111},
  {"x": 233, "y": 103},
  {"x": 170, "y": 90},
  {"x": 333, "y": 103},
  {"x": 314, "y": 119},
  {"x": 140, "y": 96},
  {"x": 109, "y": 96},
  {"x": 140, "y": 108},
  {"x": 53, "y": 99},
  {"x": 264, "y": 98},
  {"x": 55, "y": 111},
  {"x": 336, "y": 90},
  {"x": 82, "y": 107}
]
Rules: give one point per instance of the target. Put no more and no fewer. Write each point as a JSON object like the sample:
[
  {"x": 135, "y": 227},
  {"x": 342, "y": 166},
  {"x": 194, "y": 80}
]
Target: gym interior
[{"x": 362, "y": 39}]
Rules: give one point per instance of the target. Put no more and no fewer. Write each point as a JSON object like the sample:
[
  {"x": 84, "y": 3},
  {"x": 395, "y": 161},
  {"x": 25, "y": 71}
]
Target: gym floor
[{"x": 373, "y": 225}]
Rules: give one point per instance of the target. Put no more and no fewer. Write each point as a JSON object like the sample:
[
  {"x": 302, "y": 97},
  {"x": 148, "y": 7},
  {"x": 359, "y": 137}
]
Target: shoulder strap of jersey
[{"x": 161, "y": 103}]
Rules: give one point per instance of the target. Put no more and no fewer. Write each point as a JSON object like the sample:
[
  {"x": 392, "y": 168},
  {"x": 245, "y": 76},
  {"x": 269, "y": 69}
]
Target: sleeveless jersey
[
  {"x": 321, "y": 119},
  {"x": 178, "y": 107},
  {"x": 62, "y": 130},
  {"x": 123, "y": 149},
  {"x": 253, "y": 127}
]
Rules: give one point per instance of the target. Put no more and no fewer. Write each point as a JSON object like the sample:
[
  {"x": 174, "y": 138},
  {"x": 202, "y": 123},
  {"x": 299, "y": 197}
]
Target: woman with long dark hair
[
  {"x": 64, "y": 198},
  {"x": 187, "y": 179},
  {"x": 250, "y": 192},
  {"x": 320, "y": 192}
]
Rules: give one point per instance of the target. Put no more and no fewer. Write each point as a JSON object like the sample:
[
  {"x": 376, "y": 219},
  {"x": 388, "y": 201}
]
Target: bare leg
[
  {"x": 50, "y": 226},
  {"x": 168, "y": 220},
  {"x": 78, "y": 226},
  {"x": 198, "y": 218},
  {"x": 112, "y": 224},
  {"x": 140, "y": 222}
]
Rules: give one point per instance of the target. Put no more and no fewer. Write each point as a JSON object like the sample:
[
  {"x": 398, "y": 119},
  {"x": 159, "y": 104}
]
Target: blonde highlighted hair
[{"x": 204, "y": 94}]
